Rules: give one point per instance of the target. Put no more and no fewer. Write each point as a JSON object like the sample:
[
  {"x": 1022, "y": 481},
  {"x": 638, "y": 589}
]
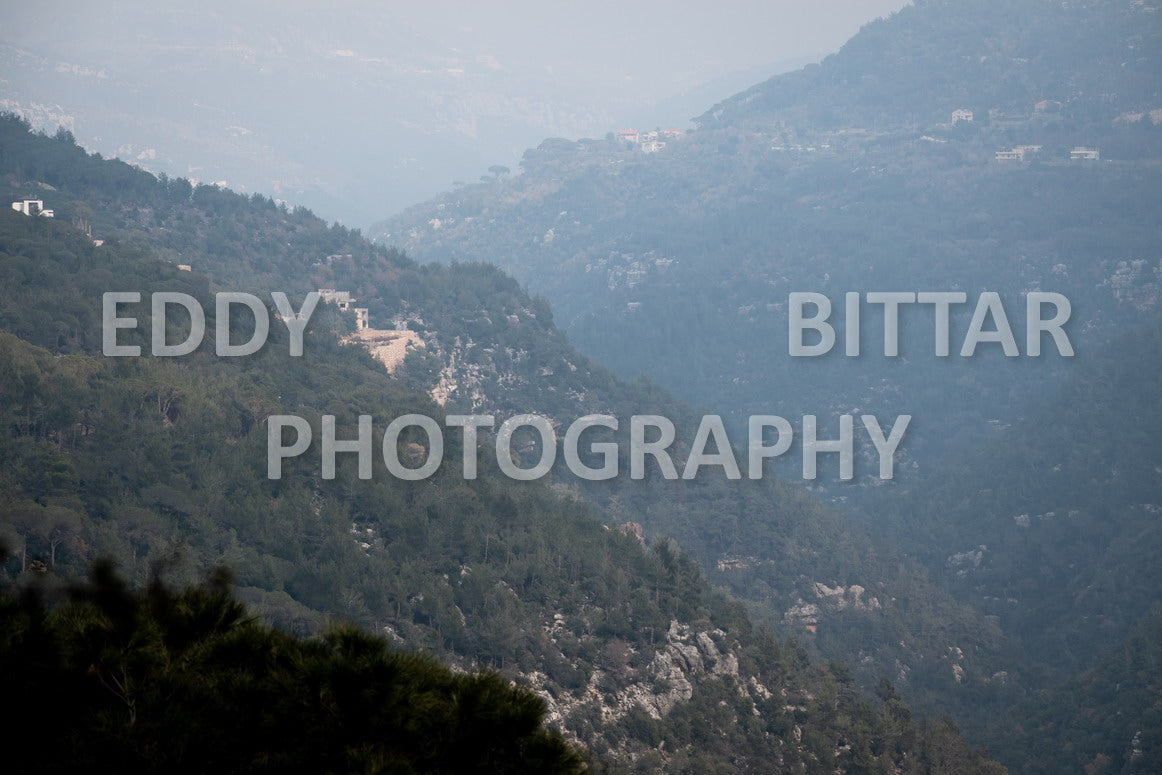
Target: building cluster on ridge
[
  {"x": 649, "y": 142},
  {"x": 1026, "y": 152}
]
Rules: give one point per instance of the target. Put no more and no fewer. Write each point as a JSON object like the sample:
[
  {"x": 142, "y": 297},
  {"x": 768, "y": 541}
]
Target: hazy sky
[
  {"x": 358, "y": 109},
  {"x": 680, "y": 41}
]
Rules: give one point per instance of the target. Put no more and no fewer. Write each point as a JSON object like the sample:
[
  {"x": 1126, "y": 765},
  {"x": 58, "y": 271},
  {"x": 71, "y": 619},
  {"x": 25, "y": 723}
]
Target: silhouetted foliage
[{"x": 171, "y": 681}]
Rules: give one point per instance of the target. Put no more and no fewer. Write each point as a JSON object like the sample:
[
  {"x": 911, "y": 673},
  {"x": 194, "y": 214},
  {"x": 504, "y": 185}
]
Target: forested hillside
[
  {"x": 490, "y": 348},
  {"x": 148, "y": 459},
  {"x": 1115, "y": 699},
  {"x": 968, "y": 147},
  {"x": 1053, "y": 528},
  {"x": 696, "y": 246}
]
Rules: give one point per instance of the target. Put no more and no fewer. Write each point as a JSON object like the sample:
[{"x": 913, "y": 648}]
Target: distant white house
[
  {"x": 1018, "y": 153},
  {"x": 1084, "y": 154},
  {"x": 652, "y": 146},
  {"x": 31, "y": 207},
  {"x": 961, "y": 114}
]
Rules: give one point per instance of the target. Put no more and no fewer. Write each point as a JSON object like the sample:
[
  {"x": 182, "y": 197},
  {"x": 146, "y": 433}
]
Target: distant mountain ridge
[{"x": 1099, "y": 59}]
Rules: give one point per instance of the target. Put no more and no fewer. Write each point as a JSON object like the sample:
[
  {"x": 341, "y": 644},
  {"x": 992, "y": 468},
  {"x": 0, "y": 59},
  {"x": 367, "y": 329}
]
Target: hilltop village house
[
  {"x": 35, "y": 207},
  {"x": 388, "y": 346},
  {"x": 31, "y": 207}
]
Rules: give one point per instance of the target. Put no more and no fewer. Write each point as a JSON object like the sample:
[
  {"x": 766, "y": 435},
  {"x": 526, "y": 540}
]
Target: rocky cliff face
[{"x": 687, "y": 656}]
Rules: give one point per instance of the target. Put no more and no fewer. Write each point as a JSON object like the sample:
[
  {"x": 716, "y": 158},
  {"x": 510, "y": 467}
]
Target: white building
[
  {"x": 961, "y": 114},
  {"x": 31, "y": 207},
  {"x": 1084, "y": 154}
]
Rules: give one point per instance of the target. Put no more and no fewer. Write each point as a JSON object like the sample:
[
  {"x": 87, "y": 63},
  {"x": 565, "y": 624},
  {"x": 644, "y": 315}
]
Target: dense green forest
[
  {"x": 1053, "y": 529},
  {"x": 146, "y": 459},
  {"x": 1076, "y": 721},
  {"x": 798, "y": 564}
]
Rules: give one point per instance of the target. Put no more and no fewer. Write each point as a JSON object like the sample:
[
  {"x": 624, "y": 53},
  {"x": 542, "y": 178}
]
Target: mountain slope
[
  {"x": 489, "y": 348},
  {"x": 1097, "y": 58},
  {"x": 1053, "y": 530},
  {"x": 696, "y": 247},
  {"x": 139, "y": 458},
  {"x": 677, "y": 263},
  {"x": 1108, "y": 718},
  {"x": 1064, "y": 504}
]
